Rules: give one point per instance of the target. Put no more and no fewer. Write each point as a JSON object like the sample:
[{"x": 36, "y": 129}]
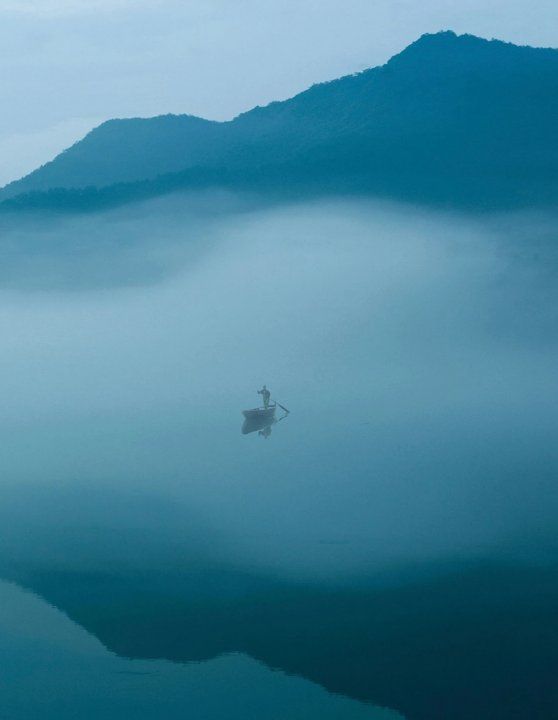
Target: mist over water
[{"x": 416, "y": 352}]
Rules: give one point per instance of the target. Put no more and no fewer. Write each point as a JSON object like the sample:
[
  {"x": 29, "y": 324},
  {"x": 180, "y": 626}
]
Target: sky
[{"x": 67, "y": 65}]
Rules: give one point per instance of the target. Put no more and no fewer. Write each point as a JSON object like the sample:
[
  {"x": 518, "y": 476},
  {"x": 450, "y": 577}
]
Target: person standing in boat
[{"x": 266, "y": 395}]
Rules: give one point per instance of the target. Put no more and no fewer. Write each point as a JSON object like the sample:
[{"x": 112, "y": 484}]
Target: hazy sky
[{"x": 68, "y": 64}]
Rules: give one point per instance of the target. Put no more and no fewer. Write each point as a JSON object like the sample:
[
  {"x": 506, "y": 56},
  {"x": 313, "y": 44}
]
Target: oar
[{"x": 282, "y": 407}]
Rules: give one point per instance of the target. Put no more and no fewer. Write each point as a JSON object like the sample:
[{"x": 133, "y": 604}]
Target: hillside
[{"x": 453, "y": 119}]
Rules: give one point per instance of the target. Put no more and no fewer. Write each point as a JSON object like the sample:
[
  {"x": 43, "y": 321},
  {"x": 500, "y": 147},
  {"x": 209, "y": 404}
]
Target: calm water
[
  {"x": 390, "y": 545},
  {"x": 52, "y": 668}
]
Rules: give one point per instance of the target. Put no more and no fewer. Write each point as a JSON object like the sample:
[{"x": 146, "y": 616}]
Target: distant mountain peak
[
  {"x": 442, "y": 36},
  {"x": 447, "y": 42},
  {"x": 443, "y": 43},
  {"x": 447, "y": 55}
]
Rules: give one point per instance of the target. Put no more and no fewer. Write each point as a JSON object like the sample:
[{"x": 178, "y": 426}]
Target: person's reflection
[{"x": 266, "y": 432}]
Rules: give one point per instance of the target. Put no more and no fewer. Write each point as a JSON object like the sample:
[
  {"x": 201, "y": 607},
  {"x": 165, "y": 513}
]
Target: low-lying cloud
[{"x": 416, "y": 351}]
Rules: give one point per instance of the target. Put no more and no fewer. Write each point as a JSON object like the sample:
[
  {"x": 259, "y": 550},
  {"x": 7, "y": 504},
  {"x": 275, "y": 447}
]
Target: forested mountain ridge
[{"x": 453, "y": 119}]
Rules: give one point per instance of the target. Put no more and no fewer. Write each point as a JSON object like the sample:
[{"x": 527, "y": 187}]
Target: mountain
[
  {"x": 451, "y": 119},
  {"x": 123, "y": 151}
]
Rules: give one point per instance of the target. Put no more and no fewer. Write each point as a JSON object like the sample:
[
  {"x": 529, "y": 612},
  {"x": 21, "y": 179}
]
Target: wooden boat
[
  {"x": 260, "y": 413},
  {"x": 258, "y": 418}
]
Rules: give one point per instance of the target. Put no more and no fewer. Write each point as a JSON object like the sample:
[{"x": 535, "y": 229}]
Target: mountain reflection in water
[
  {"x": 425, "y": 642},
  {"x": 54, "y": 670}
]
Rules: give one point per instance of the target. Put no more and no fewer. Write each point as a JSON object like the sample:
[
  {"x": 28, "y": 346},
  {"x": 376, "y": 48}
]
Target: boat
[
  {"x": 258, "y": 419},
  {"x": 260, "y": 413}
]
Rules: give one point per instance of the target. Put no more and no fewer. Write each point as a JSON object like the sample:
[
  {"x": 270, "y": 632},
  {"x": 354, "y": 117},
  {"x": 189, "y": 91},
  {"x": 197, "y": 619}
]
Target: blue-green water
[
  {"x": 52, "y": 668},
  {"x": 390, "y": 545}
]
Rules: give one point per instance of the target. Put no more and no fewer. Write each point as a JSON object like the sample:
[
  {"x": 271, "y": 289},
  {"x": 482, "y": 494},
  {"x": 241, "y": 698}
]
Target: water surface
[{"x": 392, "y": 541}]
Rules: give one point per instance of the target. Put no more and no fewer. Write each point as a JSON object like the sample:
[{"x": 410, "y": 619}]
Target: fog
[{"x": 416, "y": 351}]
